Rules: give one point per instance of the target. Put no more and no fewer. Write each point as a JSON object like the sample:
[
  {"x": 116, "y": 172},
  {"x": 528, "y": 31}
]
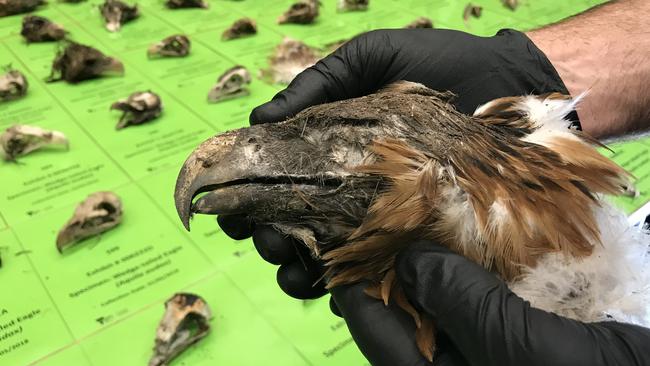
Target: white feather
[
  {"x": 611, "y": 284},
  {"x": 549, "y": 116}
]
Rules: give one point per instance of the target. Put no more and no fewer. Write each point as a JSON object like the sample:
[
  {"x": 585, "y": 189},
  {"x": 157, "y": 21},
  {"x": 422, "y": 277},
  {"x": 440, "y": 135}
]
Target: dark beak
[{"x": 269, "y": 168}]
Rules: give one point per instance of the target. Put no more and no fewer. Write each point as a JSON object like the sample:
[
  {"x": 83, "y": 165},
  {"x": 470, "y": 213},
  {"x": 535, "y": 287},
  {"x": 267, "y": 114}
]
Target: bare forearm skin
[{"x": 605, "y": 50}]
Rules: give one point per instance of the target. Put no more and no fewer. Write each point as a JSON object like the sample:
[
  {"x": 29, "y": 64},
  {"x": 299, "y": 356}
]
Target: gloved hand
[
  {"x": 477, "y": 69},
  {"x": 479, "y": 321}
]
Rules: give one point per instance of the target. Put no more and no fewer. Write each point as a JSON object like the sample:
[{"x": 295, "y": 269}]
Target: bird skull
[
  {"x": 231, "y": 84},
  {"x": 179, "y": 4},
  {"x": 99, "y": 212},
  {"x": 301, "y": 12},
  {"x": 77, "y": 62},
  {"x": 510, "y": 4},
  {"x": 289, "y": 59},
  {"x": 40, "y": 29},
  {"x": 173, "y": 46},
  {"x": 116, "y": 13},
  {"x": 138, "y": 108},
  {"x": 421, "y": 22},
  {"x": 472, "y": 10},
  {"x": 186, "y": 321},
  {"x": 352, "y": 5},
  {"x": 19, "y": 140},
  {"x": 13, "y": 85},
  {"x": 12, "y": 7},
  {"x": 241, "y": 28}
]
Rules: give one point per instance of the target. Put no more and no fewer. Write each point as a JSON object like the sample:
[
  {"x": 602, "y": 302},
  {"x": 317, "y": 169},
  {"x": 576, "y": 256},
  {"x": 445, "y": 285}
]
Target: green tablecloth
[{"x": 99, "y": 304}]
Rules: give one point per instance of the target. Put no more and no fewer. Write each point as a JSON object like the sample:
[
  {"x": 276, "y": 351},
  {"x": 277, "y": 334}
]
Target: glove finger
[
  {"x": 299, "y": 280},
  {"x": 317, "y": 84},
  {"x": 273, "y": 246},
  {"x": 384, "y": 334},
  {"x": 334, "y": 308},
  {"x": 238, "y": 227},
  {"x": 354, "y": 69},
  {"x": 478, "y": 312}
]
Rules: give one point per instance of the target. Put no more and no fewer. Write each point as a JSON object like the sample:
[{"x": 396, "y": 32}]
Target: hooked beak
[
  {"x": 154, "y": 49},
  {"x": 65, "y": 238},
  {"x": 113, "y": 67},
  {"x": 216, "y": 162},
  {"x": 252, "y": 168}
]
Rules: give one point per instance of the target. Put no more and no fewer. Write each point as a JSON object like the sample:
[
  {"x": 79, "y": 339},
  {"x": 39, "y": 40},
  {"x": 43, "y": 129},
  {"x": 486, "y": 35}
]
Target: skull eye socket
[
  {"x": 236, "y": 79},
  {"x": 108, "y": 207}
]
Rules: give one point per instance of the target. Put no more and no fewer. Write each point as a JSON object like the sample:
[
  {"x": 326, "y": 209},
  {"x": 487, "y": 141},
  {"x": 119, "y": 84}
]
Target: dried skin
[
  {"x": 182, "y": 4},
  {"x": 138, "y": 108},
  {"x": 241, "y": 28},
  {"x": 231, "y": 84},
  {"x": 98, "y": 213},
  {"x": 289, "y": 59},
  {"x": 173, "y": 46},
  {"x": 19, "y": 140},
  {"x": 186, "y": 321},
  {"x": 116, "y": 13},
  {"x": 13, "y": 85},
  {"x": 352, "y": 5},
  {"x": 40, "y": 29},
  {"x": 77, "y": 62},
  {"x": 301, "y": 12},
  {"x": 13, "y": 7},
  {"x": 476, "y": 184},
  {"x": 421, "y": 22}
]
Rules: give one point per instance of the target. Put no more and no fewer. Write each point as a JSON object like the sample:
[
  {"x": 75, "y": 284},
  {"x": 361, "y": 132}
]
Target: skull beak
[
  {"x": 113, "y": 67},
  {"x": 154, "y": 50}
]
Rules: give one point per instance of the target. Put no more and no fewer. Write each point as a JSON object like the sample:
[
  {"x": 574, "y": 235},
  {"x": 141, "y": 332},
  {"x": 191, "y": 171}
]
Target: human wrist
[{"x": 604, "y": 51}]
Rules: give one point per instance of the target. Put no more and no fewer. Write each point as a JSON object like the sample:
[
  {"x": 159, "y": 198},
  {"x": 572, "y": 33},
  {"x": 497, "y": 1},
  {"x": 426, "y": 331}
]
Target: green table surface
[{"x": 100, "y": 303}]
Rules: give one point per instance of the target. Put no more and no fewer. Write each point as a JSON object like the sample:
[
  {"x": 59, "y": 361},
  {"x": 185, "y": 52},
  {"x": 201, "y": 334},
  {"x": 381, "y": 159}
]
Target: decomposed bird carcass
[{"x": 510, "y": 187}]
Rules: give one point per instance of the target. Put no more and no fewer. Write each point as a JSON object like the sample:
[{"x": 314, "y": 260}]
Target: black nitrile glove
[
  {"x": 477, "y": 69},
  {"x": 480, "y": 322}
]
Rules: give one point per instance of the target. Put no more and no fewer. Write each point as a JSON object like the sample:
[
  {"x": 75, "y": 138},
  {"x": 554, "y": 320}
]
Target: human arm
[{"x": 606, "y": 51}]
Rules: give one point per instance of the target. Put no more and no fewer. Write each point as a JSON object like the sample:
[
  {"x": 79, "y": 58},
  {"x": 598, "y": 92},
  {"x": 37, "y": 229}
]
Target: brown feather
[
  {"x": 386, "y": 285},
  {"x": 425, "y": 338},
  {"x": 495, "y": 198}
]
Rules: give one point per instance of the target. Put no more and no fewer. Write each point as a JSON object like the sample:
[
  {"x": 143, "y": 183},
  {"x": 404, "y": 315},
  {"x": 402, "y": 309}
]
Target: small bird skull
[
  {"x": 138, "y": 108},
  {"x": 77, "y": 62},
  {"x": 116, "y": 13},
  {"x": 13, "y": 85},
  {"x": 301, "y": 12},
  {"x": 186, "y": 321},
  {"x": 41, "y": 29},
  {"x": 289, "y": 59},
  {"x": 472, "y": 10},
  {"x": 510, "y": 4},
  {"x": 421, "y": 22},
  {"x": 352, "y": 5},
  {"x": 241, "y": 28},
  {"x": 99, "y": 212},
  {"x": 180, "y": 4},
  {"x": 177, "y": 45},
  {"x": 231, "y": 84},
  {"x": 13, "y": 7},
  {"x": 19, "y": 140}
]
